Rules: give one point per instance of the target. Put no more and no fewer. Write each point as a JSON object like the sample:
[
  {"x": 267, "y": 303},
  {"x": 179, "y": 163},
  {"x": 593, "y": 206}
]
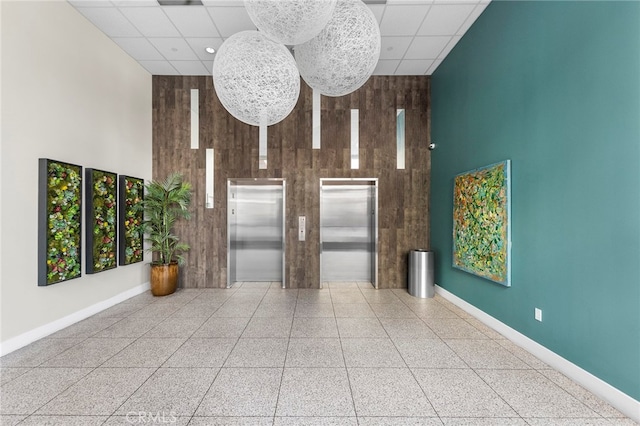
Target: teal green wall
[{"x": 555, "y": 87}]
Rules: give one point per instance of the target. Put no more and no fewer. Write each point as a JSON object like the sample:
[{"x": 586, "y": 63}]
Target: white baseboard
[
  {"x": 31, "y": 336},
  {"x": 618, "y": 399}
]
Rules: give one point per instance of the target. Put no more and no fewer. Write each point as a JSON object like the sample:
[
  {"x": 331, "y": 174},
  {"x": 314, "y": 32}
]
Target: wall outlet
[{"x": 538, "y": 314}]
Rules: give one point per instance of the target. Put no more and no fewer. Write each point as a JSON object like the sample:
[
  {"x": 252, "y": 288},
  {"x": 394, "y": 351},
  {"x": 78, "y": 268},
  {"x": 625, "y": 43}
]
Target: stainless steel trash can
[{"x": 421, "y": 274}]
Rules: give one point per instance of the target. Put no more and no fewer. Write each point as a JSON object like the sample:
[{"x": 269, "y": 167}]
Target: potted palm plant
[{"x": 164, "y": 203}]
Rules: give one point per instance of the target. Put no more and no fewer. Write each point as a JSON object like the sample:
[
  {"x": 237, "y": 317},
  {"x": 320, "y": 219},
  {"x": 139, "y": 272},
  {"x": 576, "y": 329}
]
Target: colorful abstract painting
[
  {"x": 131, "y": 216},
  {"x": 59, "y": 221},
  {"x": 102, "y": 219},
  {"x": 481, "y": 222}
]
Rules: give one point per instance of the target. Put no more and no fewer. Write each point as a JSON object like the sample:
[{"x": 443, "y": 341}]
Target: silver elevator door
[
  {"x": 255, "y": 232},
  {"x": 347, "y": 221}
]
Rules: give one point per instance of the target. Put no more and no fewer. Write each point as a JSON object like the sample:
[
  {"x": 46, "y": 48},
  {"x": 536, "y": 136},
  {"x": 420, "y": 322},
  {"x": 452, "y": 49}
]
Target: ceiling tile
[
  {"x": 378, "y": 10},
  {"x": 139, "y": 48},
  {"x": 230, "y": 20},
  {"x": 150, "y": 21},
  {"x": 110, "y": 21},
  {"x": 190, "y": 67},
  {"x": 208, "y": 65},
  {"x": 394, "y": 47},
  {"x": 159, "y": 67},
  {"x": 414, "y": 67},
  {"x": 386, "y": 67},
  {"x": 426, "y": 47},
  {"x": 192, "y": 21},
  {"x": 472, "y": 18},
  {"x": 199, "y": 44},
  {"x": 434, "y": 66},
  {"x": 402, "y": 19},
  {"x": 454, "y": 40},
  {"x": 90, "y": 3},
  {"x": 445, "y": 19},
  {"x": 133, "y": 3},
  {"x": 174, "y": 49}
]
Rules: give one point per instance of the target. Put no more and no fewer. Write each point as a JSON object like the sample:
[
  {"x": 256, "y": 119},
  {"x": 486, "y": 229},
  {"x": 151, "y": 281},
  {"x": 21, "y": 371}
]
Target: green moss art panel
[
  {"x": 102, "y": 219},
  {"x": 131, "y": 217},
  {"x": 481, "y": 222},
  {"x": 59, "y": 221}
]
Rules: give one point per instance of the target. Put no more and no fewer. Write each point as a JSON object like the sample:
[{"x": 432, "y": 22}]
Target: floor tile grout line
[
  {"x": 349, "y": 379},
  {"x": 136, "y": 390},
  {"x": 62, "y": 352},
  {"x": 204, "y": 394},
  {"x": 187, "y": 338},
  {"x": 19, "y": 375},
  {"x": 498, "y": 394},
  {"x": 567, "y": 392},
  {"x": 572, "y": 394},
  {"x": 516, "y": 355},
  {"x": 284, "y": 364},
  {"x": 203, "y": 323},
  {"x": 57, "y": 395},
  {"x": 90, "y": 335}
]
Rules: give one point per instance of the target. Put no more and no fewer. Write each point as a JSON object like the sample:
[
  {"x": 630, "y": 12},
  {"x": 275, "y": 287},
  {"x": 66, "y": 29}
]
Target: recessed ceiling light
[{"x": 210, "y": 50}]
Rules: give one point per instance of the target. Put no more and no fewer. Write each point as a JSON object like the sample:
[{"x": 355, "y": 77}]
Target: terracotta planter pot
[{"x": 164, "y": 279}]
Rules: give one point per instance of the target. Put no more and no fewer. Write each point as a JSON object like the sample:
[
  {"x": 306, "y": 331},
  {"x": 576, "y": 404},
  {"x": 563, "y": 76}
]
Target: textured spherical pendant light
[
  {"x": 256, "y": 79},
  {"x": 290, "y": 21},
  {"x": 343, "y": 56}
]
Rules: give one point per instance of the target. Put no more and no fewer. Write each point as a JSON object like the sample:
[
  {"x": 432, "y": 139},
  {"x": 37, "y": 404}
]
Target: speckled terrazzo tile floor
[{"x": 260, "y": 355}]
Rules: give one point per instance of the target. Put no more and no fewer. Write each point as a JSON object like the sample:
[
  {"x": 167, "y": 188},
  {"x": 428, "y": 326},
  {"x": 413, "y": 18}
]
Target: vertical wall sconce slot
[
  {"x": 262, "y": 145},
  {"x": 355, "y": 139},
  {"x": 195, "y": 119},
  {"x": 316, "y": 120},
  {"x": 400, "y": 153},
  {"x": 209, "y": 164}
]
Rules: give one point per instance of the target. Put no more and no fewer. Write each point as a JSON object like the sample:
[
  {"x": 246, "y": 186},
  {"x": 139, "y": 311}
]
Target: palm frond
[{"x": 165, "y": 202}]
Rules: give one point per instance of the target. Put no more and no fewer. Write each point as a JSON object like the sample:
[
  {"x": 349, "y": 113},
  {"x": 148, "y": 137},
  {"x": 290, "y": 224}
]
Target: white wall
[{"x": 69, "y": 94}]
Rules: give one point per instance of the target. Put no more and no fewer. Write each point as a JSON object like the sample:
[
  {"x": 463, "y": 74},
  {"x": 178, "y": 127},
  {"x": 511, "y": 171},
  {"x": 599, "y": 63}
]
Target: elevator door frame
[
  {"x": 257, "y": 181},
  {"x": 372, "y": 182}
]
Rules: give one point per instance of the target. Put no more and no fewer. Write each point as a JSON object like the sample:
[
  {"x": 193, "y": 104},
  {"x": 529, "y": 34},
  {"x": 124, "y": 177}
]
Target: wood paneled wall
[{"x": 403, "y": 197}]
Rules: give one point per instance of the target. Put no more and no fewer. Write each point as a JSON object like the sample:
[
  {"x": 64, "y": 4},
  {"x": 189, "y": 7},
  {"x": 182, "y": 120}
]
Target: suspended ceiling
[{"x": 171, "y": 40}]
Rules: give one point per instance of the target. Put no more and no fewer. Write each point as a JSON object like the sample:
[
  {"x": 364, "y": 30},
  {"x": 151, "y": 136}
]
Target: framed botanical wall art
[
  {"x": 482, "y": 222},
  {"x": 131, "y": 216},
  {"x": 101, "y": 191},
  {"x": 59, "y": 221}
]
